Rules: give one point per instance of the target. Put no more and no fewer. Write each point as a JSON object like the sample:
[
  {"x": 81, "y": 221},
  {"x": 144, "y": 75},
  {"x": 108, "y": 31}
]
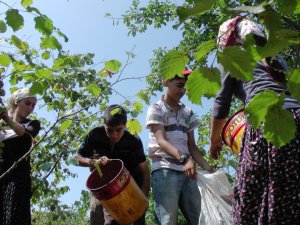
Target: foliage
[
  {"x": 75, "y": 89},
  {"x": 199, "y": 20},
  {"x": 72, "y": 89},
  {"x": 76, "y": 214}
]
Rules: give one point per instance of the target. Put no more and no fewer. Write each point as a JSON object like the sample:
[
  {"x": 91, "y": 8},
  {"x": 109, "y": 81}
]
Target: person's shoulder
[
  {"x": 188, "y": 110},
  {"x": 30, "y": 122},
  {"x": 156, "y": 105},
  {"x": 129, "y": 136},
  {"x": 98, "y": 130}
]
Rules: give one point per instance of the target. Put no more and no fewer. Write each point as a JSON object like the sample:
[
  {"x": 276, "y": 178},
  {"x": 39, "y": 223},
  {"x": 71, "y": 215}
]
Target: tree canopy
[{"x": 76, "y": 90}]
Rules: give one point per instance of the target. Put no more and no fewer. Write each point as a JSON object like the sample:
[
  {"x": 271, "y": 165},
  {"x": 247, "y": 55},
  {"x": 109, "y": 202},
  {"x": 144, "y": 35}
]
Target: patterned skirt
[
  {"x": 267, "y": 189},
  {"x": 15, "y": 194}
]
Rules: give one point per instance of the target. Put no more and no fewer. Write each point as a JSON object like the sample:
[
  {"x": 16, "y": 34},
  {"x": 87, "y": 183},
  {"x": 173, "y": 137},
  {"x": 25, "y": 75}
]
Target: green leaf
[
  {"x": 238, "y": 62},
  {"x": 137, "y": 107},
  {"x": 133, "y": 126},
  {"x": 273, "y": 47},
  {"x": 59, "y": 33},
  {"x": 251, "y": 9},
  {"x": 65, "y": 125},
  {"x": 37, "y": 88},
  {"x": 232, "y": 163},
  {"x": 113, "y": 66},
  {"x": 19, "y": 66},
  {"x": 280, "y": 127},
  {"x": 44, "y": 73},
  {"x": 26, "y": 3},
  {"x": 290, "y": 7},
  {"x": 46, "y": 166},
  {"x": 23, "y": 46},
  {"x": 222, "y": 4},
  {"x": 4, "y": 60},
  {"x": 33, "y": 9},
  {"x": 271, "y": 21},
  {"x": 3, "y": 26},
  {"x": 94, "y": 89},
  {"x": 251, "y": 48},
  {"x": 73, "y": 161},
  {"x": 116, "y": 111},
  {"x": 291, "y": 36},
  {"x": 204, "y": 49},
  {"x": 50, "y": 42},
  {"x": 144, "y": 96},
  {"x": 294, "y": 83},
  {"x": 14, "y": 19},
  {"x": 173, "y": 63},
  {"x": 45, "y": 55},
  {"x": 44, "y": 25},
  {"x": 259, "y": 106},
  {"x": 203, "y": 82},
  {"x": 102, "y": 73},
  {"x": 200, "y": 7},
  {"x": 30, "y": 77}
]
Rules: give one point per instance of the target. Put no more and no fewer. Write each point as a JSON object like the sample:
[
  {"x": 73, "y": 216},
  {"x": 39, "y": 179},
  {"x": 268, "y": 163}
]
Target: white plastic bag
[{"x": 216, "y": 196}]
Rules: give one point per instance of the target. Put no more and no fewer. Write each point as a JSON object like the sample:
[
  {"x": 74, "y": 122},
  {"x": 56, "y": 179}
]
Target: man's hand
[
  {"x": 215, "y": 147},
  {"x": 102, "y": 161},
  {"x": 190, "y": 169}
]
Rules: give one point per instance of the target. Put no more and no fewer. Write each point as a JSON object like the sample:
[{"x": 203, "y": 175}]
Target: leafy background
[{"x": 74, "y": 88}]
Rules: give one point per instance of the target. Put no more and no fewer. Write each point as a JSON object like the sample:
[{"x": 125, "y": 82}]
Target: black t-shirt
[
  {"x": 15, "y": 148},
  {"x": 129, "y": 149}
]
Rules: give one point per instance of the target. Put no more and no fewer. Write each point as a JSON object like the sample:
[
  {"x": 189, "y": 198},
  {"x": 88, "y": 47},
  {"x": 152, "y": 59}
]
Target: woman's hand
[
  {"x": 216, "y": 147},
  {"x": 4, "y": 113}
]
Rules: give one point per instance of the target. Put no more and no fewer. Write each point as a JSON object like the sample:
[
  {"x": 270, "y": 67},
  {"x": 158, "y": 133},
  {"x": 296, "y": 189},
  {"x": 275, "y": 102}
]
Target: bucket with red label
[
  {"x": 118, "y": 192},
  {"x": 233, "y": 131}
]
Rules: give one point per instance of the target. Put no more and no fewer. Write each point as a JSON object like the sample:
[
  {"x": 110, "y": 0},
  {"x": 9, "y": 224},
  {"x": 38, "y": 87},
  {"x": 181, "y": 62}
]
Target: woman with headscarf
[
  {"x": 267, "y": 188},
  {"x": 18, "y": 134}
]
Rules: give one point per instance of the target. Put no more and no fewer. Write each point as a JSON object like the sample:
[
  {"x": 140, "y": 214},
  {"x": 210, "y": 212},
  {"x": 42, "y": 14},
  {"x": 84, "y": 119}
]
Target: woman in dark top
[
  {"x": 267, "y": 187},
  {"x": 17, "y": 137}
]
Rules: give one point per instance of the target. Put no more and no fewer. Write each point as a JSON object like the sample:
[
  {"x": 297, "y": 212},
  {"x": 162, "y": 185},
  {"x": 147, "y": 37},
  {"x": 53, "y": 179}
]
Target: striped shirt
[{"x": 177, "y": 126}]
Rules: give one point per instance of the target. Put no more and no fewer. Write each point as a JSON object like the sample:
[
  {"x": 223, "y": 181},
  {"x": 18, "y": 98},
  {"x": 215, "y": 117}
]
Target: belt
[{"x": 157, "y": 158}]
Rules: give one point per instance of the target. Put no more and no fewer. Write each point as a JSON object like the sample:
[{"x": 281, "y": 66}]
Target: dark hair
[
  {"x": 184, "y": 75},
  {"x": 115, "y": 115},
  {"x": 176, "y": 77}
]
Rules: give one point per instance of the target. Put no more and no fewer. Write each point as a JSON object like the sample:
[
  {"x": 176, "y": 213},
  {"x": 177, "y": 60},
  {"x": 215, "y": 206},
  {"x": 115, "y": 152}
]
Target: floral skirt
[{"x": 267, "y": 189}]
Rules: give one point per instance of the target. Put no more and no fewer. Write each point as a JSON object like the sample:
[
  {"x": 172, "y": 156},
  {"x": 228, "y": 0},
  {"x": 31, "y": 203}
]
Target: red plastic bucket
[
  {"x": 118, "y": 192},
  {"x": 233, "y": 131}
]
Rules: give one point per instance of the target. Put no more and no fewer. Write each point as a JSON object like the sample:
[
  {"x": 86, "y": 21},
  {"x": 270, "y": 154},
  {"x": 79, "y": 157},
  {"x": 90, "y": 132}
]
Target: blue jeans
[{"x": 172, "y": 190}]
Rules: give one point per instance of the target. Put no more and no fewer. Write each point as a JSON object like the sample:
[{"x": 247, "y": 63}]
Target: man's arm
[
  {"x": 87, "y": 162},
  {"x": 159, "y": 132},
  {"x": 195, "y": 153},
  {"x": 160, "y": 135},
  {"x": 143, "y": 167}
]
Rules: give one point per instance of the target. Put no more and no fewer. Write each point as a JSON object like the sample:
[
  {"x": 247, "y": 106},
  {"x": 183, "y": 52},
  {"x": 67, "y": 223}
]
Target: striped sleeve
[
  {"x": 154, "y": 115},
  {"x": 194, "y": 122}
]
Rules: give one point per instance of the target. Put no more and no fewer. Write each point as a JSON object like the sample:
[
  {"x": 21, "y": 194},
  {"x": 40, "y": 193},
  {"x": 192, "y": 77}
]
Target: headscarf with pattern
[{"x": 234, "y": 31}]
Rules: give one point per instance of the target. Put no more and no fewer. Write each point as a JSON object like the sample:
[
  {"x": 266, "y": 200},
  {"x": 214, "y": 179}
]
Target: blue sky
[{"x": 88, "y": 30}]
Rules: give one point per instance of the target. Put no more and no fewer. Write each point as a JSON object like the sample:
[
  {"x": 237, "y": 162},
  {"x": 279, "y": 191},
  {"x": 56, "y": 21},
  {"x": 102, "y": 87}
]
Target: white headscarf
[
  {"x": 233, "y": 31},
  {"x": 22, "y": 94}
]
